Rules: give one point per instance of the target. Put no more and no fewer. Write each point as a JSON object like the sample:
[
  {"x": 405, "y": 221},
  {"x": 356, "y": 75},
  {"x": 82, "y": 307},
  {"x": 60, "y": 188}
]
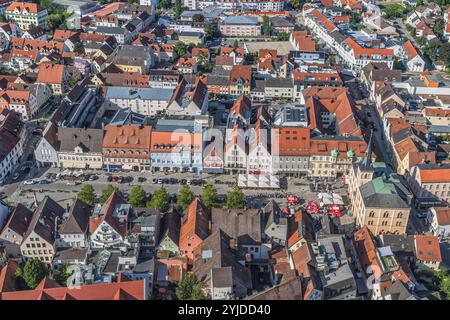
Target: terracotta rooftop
[
  {"x": 50, "y": 73},
  {"x": 123, "y": 290},
  {"x": 427, "y": 248}
]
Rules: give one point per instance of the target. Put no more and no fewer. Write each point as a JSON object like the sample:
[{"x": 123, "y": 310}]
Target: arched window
[
  {"x": 400, "y": 215},
  {"x": 386, "y": 215},
  {"x": 371, "y": 214}
]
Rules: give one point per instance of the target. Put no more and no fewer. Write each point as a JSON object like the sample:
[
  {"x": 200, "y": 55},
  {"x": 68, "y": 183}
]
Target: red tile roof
[
  {"x": 334, "y": 100},
  {"x": 303, "y": 41},
  {"x": 410, "y": 50},
  {"x": 427, "y": 248},
  {"x": 443, "y": 215},
  {"x": 195, "y": 227},
  {"x": 437, "y": 175},
  {"x": 50, "y": 73},
  {"x": 123, "y": 290},
  {"x": 292, "y": 141},
  {"x": 163, "y": 142},
  {"x": 366, "y": 250},
  {"x": 359, "y": 51},
  {"x": 326, "y": 23},
  {"x": 8, "y": 277},
  {"x": 107, "y": 215},
  {"x": 24, "y": 7}
]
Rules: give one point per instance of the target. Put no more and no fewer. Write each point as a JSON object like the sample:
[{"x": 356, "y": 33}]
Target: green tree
[
  {"x": 266, "y": 26},
  {"x": 87, "y": 194},
  {"x": 209, "y": 196},
  {"x": 283, "y": 36},
  {"x": 74, "y": 78},
  {"x": 160, "y": 200},
  {"x": 33, "y": 272},
  {"x": 438, "y": 27},
  {"x": 296, "y": 4},
  {"x": 107, "y": 192},
  {"x": 235, "y": 198},
  {"x": 178, "y": 9},
  {"x": 180, "y": 48},
  {"x": 63, "y": 275},
  {"x": 185, "y": 197},
  {"x": 211, "y": 30},
  {"x": 164, "y": 4},
  {"x": 395, "y": 10},
  {"x": 190, "y": 288},
  {"x": 137, "y": 197}
]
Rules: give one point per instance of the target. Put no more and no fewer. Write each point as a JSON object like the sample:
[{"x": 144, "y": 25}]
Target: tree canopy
[
  {"x": 107, "y": 192},
  {"x": 235, "y": 199},
  {"x": 266, "y": 26},
  {"x": 33, "y": 272},
  {"x": 185, "y": 197},
  {"x": 190, "y": 288},
  {"x": 87, "y": 194},
  {"x": 209, "y": 196},
  {"x": 137, "y": 197},
  {"x": 160, "y": 200},
  {"x": 180, "y": 48}
]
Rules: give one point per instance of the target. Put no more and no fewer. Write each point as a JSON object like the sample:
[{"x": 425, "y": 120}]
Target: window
[
  {"x": 400, "y": 215},
  {"x": 386, "y": 215},
  {"x": 371, "y": 214}
]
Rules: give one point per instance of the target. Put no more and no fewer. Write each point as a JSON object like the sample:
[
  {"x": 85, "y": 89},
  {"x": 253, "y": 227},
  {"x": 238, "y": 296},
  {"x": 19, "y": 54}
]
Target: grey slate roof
[
  {"x": 241, "y": 20},
  {"x": 44, "y": 218},
  {"x": 382, "y": 193},
  {"x": 243, "y": 225},
  {"x": 78, "y": 220},
  {"x": 138, "y": 93},
  {"x": 90, "y": 140}
]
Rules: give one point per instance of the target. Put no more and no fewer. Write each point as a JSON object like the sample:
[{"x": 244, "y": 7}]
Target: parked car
[
  {"x": 109, "y": 179},
  {"x": 93, "y": 177},
  {"x": 37, "y": 132},
  {"x": 142, "y": 179},
  {"x": 421, "y": 214},
  {"x": 44, "y": 181},
  {"x": 29, "y": 182}
]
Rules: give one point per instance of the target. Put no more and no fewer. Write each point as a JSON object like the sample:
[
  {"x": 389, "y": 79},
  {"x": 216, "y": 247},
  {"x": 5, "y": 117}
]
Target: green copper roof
[
  {"x": 381, "y": 187},
  {"x": 350, "y": 153},
  {"x": 334, "y": 153}
]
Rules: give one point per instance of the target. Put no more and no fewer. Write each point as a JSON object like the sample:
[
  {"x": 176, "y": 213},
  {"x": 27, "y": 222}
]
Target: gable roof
[
  {"x": 8, "y": 276},
  {"x": 33, "y": 8},
  {"x": 106, "y": 215},
  {"x": 47, "y": 214},
  {"x": 19, "y": 220},
  {"x": 78, "y": 220},
  {"x": 123, "y": 290},
  {"x": 195, "y": 221}
]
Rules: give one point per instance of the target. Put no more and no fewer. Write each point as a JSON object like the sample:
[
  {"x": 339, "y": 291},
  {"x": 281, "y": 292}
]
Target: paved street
[{"x": 61, "y": 191}]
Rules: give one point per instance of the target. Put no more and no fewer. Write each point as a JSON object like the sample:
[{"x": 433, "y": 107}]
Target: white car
[{"x": 28, "y": 182}]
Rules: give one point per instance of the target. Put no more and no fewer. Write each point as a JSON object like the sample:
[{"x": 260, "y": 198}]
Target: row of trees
[{"x": 161, "y": 198}]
